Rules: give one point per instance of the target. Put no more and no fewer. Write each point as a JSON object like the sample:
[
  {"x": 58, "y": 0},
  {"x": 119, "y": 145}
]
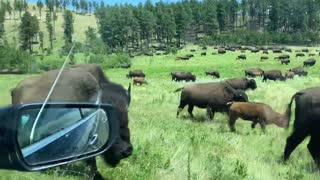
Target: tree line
[{"x": 209, "y": 21}]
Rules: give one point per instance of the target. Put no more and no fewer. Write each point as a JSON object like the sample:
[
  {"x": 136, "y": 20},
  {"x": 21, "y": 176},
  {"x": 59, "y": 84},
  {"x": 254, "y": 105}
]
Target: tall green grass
[{"x": 166, "y": 147}]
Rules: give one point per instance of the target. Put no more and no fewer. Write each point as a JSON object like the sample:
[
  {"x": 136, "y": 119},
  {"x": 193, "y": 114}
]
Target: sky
[{"x": 133, "y": 2}]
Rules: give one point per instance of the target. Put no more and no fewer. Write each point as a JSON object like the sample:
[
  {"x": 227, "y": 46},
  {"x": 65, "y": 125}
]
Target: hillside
[{"x": 81, "y": 23}]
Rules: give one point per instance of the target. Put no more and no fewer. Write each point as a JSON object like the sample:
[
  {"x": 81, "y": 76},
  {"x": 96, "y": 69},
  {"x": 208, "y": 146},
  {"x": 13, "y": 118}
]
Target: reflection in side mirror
[{"x": 60, "y": 134}]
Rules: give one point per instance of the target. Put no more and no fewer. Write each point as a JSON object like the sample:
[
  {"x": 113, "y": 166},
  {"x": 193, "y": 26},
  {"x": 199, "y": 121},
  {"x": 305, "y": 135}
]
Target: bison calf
[
  {"x": 257, "y": 113},
  {"x": 139, "y": 80}
]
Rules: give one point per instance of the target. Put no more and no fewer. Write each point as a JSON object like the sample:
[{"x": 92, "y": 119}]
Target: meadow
[{"x": 166, "y": 147}]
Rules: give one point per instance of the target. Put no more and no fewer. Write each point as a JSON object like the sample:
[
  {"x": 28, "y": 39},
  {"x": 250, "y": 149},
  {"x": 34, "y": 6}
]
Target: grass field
[{"x": 169, "y": 148}]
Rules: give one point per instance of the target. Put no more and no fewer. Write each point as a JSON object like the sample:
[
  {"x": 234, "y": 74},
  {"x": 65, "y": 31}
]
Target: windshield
[{"x": 219, "y": 87}]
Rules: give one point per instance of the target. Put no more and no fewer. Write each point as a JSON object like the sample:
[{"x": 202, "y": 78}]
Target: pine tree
[
  {"x": 29, "y": 28},
  {"x": 49, "y": 28},
  {"x": 40, "y": 6},
  {"x": 68, "y": 26}
]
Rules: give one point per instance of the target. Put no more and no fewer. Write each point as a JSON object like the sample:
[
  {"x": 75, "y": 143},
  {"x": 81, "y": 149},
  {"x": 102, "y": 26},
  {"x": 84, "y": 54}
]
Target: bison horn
[{"x": 129, "y": 94}]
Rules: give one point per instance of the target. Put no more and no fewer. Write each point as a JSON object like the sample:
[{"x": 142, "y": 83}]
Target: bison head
[
  {"x": 252, "y": 84},
  {"x": 193, "y": 78},
  {"x": 240, "y": 96},
  {"x": 120, "y": 99}
]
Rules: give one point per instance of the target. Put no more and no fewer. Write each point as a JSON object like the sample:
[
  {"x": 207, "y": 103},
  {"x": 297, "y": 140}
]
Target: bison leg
[
  {"x": 209, "y": 113},
  {"x": 190, "y": 109},
  {"x": 292, "y": 142},
  {"x": 262, "y": 125},
  {"x": 232, "y": 121},
  {"x": 181, "y": 106},
  {"x": 314, "y": 149},
  {"x": 93, "y": 170},
  {"x": 253, "y": 125}
]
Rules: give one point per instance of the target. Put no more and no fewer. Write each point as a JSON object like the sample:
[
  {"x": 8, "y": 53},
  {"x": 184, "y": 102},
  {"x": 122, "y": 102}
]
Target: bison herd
[{"x": 226, "y": 96}]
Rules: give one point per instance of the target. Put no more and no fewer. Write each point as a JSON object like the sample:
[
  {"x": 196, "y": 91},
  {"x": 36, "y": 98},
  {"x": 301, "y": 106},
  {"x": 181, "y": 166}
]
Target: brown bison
[
  {"x": 257, "y": 113},
  {"x": 309, "y": 62},
  {"x": 253, "y": 72},
  {"x": 212, "y": 96},
  {"x": 312, "y": 54},
  {"x": 265, "y": 52},
  {"x": 299, "y": 71},
  {"x": 284, "y": 56},
  {"x": 135, "y": 73},
  {"x": 139, "y": 80},
  {"x": 203, "y": 54},
  {"x": 213, "y": 73},
  {"x": 82, "y": 83},
  {"x": 305, "y": 50},
  {"x": 183, "y": 76},
  {"x": 289, "y": 74},
  {"x": 277, "y": 51},
  {"x": 306, "y": 123},
  {"x": 273, "y": 75},
  {"x": 242, "y": 83}
]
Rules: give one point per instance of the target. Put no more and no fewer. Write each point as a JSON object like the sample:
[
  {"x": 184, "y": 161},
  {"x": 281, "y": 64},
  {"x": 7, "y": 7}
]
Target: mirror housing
[{"x": 11, "y": 154}]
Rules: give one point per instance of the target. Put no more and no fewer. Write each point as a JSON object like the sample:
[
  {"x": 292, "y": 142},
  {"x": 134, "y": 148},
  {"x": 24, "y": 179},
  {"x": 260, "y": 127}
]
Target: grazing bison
[
  {"x": 204, "y": 48},
  {"x": 285, "y": 61},
  {"x": 265, "y": 52},
  {"x": 289, "y": 74},
  {"x": 312, "y": 54},
  {"x": 192, "y": 50},
  {"x": 273, "y": 75},
  {"x": 257, "y": 113},
  {"x": 189, "y": 55},
  {"x": 305, "y": 50},
  {"x": 288, "y": 50},
  {"x": 241, "y": 56},
  {"x": 221, "y": 51},
  {"x": 306, "y": 123},
  {"x": 135, "y": 73},
  {"x": 242, "y": 83},
  {"x": 214, "y": 53},
  {"x": 299, "y": 71},
  {"x": 284, "y": 56},
  {"x": 253, "y": 72},
  {"x": 309, "y": 62},
  {"x": 277, "y": 51},
  {"x": 264, "y": 58},
  {"x": 148, "y": 54},
  {"x": 180, "y": 76},
  {"x": 125, "y": 65},
  {"x": 255, "y": 50},
  {"x": 139, "y": 80},
  {"x": 213, "y": 73},
  {"x": 82, "y": 83},
  {"x": 300, "y": 55},
  {"x": 203, "y": 54},
  {"x": 212, "y": 96}
]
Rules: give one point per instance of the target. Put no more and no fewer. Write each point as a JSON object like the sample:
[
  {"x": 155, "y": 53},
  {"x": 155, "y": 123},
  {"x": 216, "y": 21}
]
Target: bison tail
[
  {"x": 179, "y": 89},
  {"x": 288, "y": 111}
]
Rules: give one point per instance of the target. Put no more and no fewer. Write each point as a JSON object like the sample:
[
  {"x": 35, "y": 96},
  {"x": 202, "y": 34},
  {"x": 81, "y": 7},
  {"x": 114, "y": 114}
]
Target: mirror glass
[{"x": 61, "y": 132}]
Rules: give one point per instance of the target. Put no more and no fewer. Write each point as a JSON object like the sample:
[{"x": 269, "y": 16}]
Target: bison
[
  {"x": 305, "y": 50},
  {"x": 299, "y": 71},
  {"x": 306, "y": 123},
  {"x": 242, "y": 56},
  {"x": 265, "y": 52},
  {"x": 242, "y": 83},
  {"x": 82, "y": 83},
  {"x": 203, "y": 54},
  {"x": 312, "y": 54},
  {"x": 253, "y": 72},
  {"x": 273, "y": 75},
  {"x": 135, "y": 73},
  {"x": 221, "y": 51},
  {"x": 212, "y": 96},
  {"x": 300, "y": 55},
  {"x": 277, "y": 51},
  {"x": 289, "y": 74},
  {"x": 180, "y": 76},
  {"x": 264, "y": 58},
  {"x": 139, "y": 80},
  {"x": 213, "y": 73},
  {"x": 309, "y": 62},
  {"x": 125, "y": 65},
  {"x": 285, "y": 61},
  {"x": 257, "y": 113}
]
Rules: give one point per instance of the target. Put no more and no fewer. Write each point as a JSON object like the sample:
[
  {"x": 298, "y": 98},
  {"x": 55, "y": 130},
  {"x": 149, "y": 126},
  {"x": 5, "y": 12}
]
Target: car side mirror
[{"x": 36, "y": 136}]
